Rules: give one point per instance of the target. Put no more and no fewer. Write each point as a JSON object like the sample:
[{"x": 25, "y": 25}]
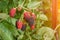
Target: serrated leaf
[
  {"x": 5, "y": 33},
  {"x": 46, "y": 33},
  {"x": 11, "y": 20},
  {"x": 43, "y": 17},
  {"x": 10, "y": 27}
]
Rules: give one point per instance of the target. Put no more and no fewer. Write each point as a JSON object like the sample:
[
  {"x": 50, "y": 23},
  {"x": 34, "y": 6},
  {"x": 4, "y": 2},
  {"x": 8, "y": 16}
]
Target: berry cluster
[
  {"x": 29, "y": 17},
  {"x": 13, "y": 11},
  {"x": 20, "y": 25}
]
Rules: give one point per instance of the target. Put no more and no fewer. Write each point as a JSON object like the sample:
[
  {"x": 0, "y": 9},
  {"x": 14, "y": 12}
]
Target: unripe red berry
[
  {"x": 12, "y": 12},
  {"x": 32, "y": 27},
  {"x": 34, "y": 16},
  {"x": 19, "y": 24},
  {"x": 31, "y": 23},
  {"x": 27, "y": 16}
]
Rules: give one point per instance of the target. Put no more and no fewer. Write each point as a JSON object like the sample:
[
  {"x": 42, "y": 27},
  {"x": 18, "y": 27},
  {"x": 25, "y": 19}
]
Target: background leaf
[
  {"x": 43, "y": 17},
  {"x": 5, "y": 32},
  {"x": 33, "y": 4}
]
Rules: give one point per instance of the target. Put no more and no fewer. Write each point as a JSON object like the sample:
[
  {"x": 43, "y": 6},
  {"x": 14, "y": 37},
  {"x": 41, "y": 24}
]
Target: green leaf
[
  {"x": 20, "y": 2},
  {"x": 5, "y": 33},
  {"x": 33, "y": 4},
  {"x": 10, "y": 27},
  {"x": 3, "y": 4},
  {"x": 3, "y": 16},
  {"x": 15, "y": 2},
  {"x": 46, "y": 33},
  {"x": 43, "y": 17},
  {"x": 20, "y": 37},
  {"x": 11, "y": 20}
]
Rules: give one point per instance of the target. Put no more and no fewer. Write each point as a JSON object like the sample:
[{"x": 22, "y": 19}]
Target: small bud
[{"x": 19, "y": 8}]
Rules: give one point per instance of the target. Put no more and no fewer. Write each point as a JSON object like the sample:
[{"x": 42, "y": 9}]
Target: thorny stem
[
  {"x": 56, "y": 34},
  {"x": 57, "y": 27}
]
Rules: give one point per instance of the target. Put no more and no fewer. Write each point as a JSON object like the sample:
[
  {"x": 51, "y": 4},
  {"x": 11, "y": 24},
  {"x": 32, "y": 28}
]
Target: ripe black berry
[
  {"x": 31, "y": 21},
  {"x": 23, "y": 27}
]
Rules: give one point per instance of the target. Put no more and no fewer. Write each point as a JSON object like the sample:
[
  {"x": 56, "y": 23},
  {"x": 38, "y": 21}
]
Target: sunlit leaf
[
  {"x": 3, "y": 15},
  {"x": 43, "y": 17},
  {"x": 33, "y": 4}
]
